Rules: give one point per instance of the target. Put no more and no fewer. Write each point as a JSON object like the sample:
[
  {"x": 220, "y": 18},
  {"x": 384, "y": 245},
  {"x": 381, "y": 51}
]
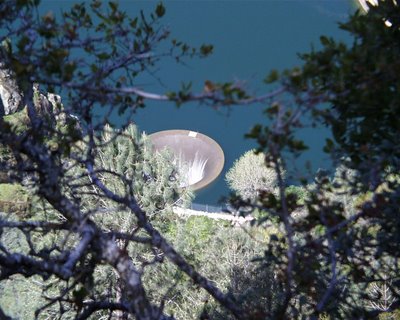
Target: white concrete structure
[{"x": 236, "y": 220}]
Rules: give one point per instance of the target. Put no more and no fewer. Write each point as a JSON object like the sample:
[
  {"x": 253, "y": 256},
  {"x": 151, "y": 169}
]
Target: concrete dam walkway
[{"x": 212, "y": 215}]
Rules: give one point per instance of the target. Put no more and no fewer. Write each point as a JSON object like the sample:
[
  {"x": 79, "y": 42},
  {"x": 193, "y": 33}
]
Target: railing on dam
[
  {"x": 212, "y": 212},
  {"x": 208, "y": 208}
]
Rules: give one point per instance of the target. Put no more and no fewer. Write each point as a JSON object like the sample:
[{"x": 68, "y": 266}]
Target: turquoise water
[{"x": 250, "y": 39}]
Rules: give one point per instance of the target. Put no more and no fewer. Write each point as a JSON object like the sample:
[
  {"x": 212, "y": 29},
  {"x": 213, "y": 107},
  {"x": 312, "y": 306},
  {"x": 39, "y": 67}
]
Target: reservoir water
[{"x": 250, "y": 38}]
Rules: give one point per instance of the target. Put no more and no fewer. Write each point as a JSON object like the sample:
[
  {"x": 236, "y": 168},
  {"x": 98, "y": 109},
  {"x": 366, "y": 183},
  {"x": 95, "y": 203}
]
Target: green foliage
[
  {"x": 224, "y": 254},
  {"x": 19, "y": 121},
  {"x": 122, "y": 156},
  {"x": 15, "y": 198},
  {"x": 160, "y": 10},
  {"x": 395, "y": 315},
  {"x": 21, "y": 291},
  {"x": 312, "y": 252},
  {"x": 360, "y": 80},
  {"x": 12, "y": 192},
  {"x": 349, "y": 224},
  {"x": 205, "y": 50},
  {"x": 153, "y": 178},
  {"x": 249, "y": 176},
  {"x": 272, "y": 77},
  {"x": 300, "y": 192}
]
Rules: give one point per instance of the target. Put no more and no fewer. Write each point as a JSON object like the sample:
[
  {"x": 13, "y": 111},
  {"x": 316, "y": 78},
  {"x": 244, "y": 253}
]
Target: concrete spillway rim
[{"x": 218, "y": 153}]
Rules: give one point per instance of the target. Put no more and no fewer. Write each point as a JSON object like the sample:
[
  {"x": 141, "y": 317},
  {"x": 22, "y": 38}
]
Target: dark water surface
[{"x": 250, "y": 39}]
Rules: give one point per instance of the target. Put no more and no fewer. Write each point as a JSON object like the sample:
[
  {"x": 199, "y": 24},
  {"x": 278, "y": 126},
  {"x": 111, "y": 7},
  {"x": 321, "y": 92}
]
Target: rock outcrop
[{"x": 11, "y": 99}]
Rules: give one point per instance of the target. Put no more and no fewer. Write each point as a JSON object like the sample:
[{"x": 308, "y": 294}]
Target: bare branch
[{"x": 92, "y": 307}]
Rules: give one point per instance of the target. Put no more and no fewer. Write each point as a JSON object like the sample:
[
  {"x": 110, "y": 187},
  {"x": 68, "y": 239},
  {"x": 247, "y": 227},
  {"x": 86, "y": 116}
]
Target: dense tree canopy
[
  {"x": 334, "y": 254},
  {"x": 249, "y": 176},
  {"x": 328, "y": 250}
]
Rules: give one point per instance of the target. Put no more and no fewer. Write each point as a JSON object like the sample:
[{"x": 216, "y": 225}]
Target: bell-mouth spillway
[{"x": 202, "y": 157}]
